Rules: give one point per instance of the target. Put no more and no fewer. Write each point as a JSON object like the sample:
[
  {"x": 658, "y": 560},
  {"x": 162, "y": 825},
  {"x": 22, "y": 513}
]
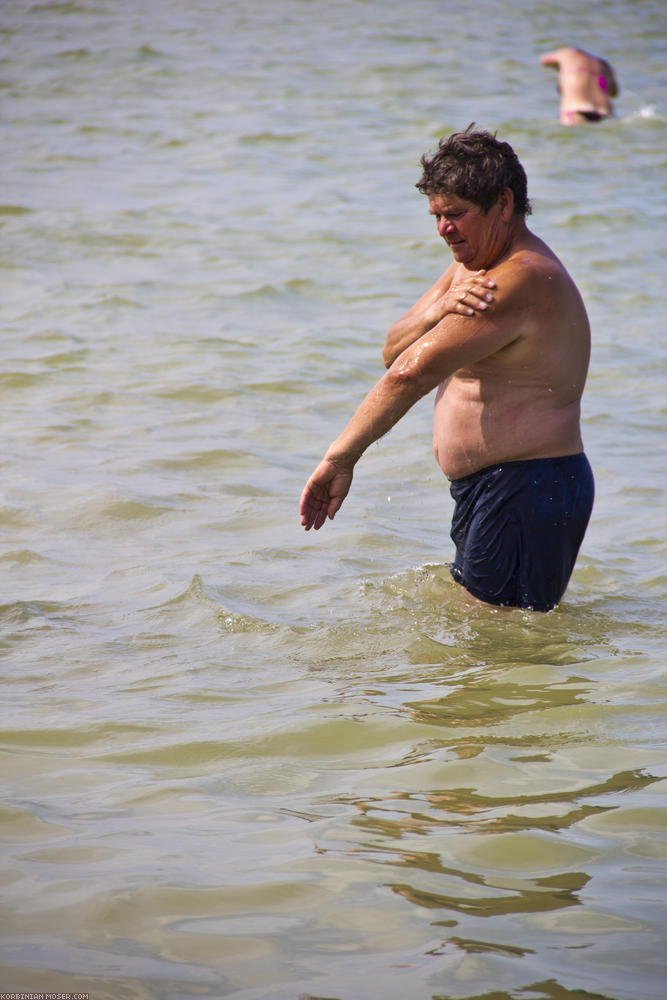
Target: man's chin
[
  {"x": 460, "y": 250},
  {"x": 463, "y": 255}
]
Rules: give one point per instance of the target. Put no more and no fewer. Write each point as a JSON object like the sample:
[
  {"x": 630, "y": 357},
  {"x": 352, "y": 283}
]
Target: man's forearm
[
  {"x": 406, "y": 331},
  {"x": 385, "y": 404}
]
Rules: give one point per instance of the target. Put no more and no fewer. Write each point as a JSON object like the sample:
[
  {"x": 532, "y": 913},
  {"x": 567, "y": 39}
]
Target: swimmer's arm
[
  {"x": 551, "y": 58},
  {"x": 463, "y": 297}
]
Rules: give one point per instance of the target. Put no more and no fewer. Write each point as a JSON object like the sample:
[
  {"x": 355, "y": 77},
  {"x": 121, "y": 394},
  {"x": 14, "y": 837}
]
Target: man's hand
[
  {"x": 324, "y": 493},
  {"x": 467, "y": 296}
]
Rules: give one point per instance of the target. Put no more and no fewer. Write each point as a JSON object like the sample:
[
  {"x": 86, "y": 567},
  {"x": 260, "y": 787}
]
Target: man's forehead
[{"x": 440, "y": 204}]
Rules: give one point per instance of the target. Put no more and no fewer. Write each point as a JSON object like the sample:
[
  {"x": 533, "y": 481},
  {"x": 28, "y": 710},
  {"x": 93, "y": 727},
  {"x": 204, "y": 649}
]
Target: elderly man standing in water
[
  {"x": 504, "y": 338},
  {"x": 585, "y": 84}
]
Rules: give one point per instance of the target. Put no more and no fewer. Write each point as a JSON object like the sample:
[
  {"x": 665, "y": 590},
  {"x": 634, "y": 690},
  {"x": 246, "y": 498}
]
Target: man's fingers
[
  {"x": 479, "y": 292},
  {"x": 311, "y": 518},
  {"x": 309, "y": 508},
  {"x": 315, "y": 509},
  {"x": 334, "y": 507}
]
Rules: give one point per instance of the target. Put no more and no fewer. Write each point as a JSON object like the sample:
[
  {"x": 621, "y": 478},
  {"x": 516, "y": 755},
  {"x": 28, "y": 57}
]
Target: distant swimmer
[
  {"x": 585, "y": 84},
  {"x": 504, "y": 338}
]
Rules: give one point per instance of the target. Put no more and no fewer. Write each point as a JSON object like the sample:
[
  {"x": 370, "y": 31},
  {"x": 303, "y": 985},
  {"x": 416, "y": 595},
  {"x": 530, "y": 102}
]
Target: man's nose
[{"x": 444, "y": 226}]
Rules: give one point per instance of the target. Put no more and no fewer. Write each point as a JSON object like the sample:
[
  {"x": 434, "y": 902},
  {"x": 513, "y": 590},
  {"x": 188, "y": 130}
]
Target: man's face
[{"x": 474, "y": 237}]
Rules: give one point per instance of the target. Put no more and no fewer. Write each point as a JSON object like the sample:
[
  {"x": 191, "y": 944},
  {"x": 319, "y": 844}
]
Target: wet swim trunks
[{"x": 517, "y": 527}]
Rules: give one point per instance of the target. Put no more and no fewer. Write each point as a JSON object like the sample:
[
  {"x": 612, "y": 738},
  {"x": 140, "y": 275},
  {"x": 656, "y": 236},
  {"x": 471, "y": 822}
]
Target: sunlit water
[{"x": 244, "y": 761}]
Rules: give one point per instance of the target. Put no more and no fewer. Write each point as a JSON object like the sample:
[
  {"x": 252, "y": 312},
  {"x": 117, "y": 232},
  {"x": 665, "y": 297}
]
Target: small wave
[
  {"x": 216, "y": 458},
  {"x": 15, "y": 210},
  {"x": 133, "y": 510},
  {"x": 75, "y": 54},
  {"x": 586, "y": 220},
  {"x": 148, "y": 52},
  {"x": 20, "y": 825},
  {"x": 19, "y": 380},
  {"x": 23, "y": 557},
  {"x": 114, "y": 302},
  {"x": 232, "y": 616},
  {"x": 296, "y": 286},
  {"x": 199, "y": 394},
  {"x": 649, "y": 111},
  {"x": 58, "y": 8},
  {"x": 261, "y": 137},
  {"x": 37, "y": 615}
]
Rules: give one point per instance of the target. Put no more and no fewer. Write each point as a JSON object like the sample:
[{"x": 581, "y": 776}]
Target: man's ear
[{"x": 506, "y": 202}]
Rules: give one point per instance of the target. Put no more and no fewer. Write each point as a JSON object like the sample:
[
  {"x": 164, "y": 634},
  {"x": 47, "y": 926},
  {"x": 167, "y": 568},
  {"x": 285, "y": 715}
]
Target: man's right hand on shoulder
[{"x": 471, "y": 294}]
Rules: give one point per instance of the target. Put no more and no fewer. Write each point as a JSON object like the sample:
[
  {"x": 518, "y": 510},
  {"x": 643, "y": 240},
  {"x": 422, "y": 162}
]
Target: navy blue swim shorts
[{"x": 517, "y": 527}]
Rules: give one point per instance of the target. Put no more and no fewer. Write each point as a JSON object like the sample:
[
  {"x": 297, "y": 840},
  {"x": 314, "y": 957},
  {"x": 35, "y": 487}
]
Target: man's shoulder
[
  {"x": 530, "y": 283},
  {"x": 530, "y": 263}
]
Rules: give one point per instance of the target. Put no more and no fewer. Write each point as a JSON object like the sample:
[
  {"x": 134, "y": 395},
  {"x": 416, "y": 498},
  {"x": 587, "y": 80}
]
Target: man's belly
[{"x": 470, "y": 433}]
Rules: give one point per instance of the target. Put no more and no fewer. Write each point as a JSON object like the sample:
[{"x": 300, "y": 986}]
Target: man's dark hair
[{"x": 477, "y": 167}]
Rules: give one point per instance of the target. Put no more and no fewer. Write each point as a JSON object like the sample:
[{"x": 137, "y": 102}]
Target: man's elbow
[
  {"x": 390, "y": 350},
  {"x": 407, "y": 377}
]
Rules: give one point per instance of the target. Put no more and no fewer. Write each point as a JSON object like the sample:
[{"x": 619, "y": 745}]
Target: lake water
[{"x": 244, "y": 761}]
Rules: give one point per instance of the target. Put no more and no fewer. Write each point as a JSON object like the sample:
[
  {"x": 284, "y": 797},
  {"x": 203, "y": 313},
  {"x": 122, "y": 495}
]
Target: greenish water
[{"x": 239, "y": 760}]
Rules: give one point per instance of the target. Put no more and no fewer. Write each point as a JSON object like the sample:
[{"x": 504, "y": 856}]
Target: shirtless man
[
  {"x": 585, "y": 84},
  {"x": 504, "y": 337}
]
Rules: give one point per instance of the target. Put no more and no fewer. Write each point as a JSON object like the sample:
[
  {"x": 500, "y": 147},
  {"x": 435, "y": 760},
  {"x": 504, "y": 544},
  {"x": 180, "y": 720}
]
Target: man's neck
[{"x": 513, "y": 236}]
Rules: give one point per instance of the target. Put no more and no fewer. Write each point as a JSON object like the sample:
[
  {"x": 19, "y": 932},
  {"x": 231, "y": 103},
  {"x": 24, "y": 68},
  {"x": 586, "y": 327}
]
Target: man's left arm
[
  {"x": 383, "y": 407},
  {"x": 455, "y": 342}
]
